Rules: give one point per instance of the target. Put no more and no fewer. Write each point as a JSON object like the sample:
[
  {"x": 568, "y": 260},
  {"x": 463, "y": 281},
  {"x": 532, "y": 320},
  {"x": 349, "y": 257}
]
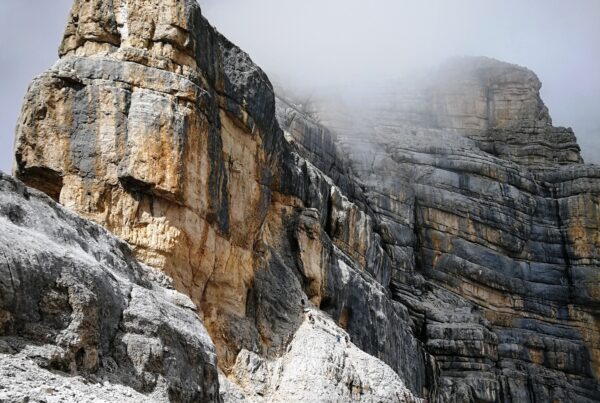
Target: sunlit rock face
[
  {"x": 319, "y": 364},
  {"x": 490, "y": 221},
  {"x": 448, "y": 229},
  {"x": 155, "y": 126}
]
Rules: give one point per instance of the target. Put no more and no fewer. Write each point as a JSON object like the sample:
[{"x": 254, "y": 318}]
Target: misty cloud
[{"x": 317, "y": 45}]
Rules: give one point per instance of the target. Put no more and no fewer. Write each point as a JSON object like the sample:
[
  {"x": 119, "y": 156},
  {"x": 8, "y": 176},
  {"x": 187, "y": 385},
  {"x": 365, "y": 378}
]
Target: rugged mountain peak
[
  {"x": 155, "y": 126},
  {"x": 496, "y": 104},
  {"x": 169, "y": 35},
  {"x": 489, "y": 217},
  {"x": 449, "y": 230}
]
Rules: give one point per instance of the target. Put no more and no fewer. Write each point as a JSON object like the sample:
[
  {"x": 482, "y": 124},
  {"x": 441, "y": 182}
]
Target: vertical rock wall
[
  {"x": 452, "y": 234},
  {"x": 490, "y": 220},
  {"x": 155, "y": 126}
]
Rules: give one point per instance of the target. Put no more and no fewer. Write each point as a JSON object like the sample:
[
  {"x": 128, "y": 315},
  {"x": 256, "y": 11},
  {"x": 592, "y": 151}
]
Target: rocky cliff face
[
  {"x": 491, "y": 221},
  {"x": 155, "y": 126},
  {"x": 445, "y": 246}
]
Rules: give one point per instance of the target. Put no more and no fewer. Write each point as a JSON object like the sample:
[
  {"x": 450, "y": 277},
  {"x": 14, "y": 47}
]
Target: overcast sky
[
  {"x": 30, "y": 32},
  {"x": 315, "y": 44}
]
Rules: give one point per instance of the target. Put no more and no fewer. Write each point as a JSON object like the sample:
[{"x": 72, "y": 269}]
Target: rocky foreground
[{"x": 441, "y": 242}]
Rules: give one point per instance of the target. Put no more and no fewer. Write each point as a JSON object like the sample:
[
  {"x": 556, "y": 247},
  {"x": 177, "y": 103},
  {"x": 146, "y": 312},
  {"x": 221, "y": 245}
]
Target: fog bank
[{"x": 312, "y": 46}]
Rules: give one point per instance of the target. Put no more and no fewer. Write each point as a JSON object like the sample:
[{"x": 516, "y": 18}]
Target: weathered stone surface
[
  {"x": 320, "y": 364},
  {"x": 496, "y": 104},
  {"x": 22, "y": 380},
  {"x": 449, "y": 229},
  {"x": 490, "y": 222},
  {"x": 142, "y": 126},
  {"x": 155, "y": 126},
  {"x": 74, "y": 301}
]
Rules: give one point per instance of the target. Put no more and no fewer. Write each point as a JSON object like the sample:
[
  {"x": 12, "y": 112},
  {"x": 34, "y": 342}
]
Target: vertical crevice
[
  {"x": 563, "y": 241},
  {"x": 530, "y": 390},
  {"x": 417, "y": 242}
]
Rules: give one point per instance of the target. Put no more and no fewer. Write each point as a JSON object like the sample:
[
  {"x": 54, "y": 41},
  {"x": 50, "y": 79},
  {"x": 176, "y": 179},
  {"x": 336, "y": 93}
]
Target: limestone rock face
[
  {"x": 449, "y": 230},
  {"x": 490, "y": 221},
  {"x": 142, "y": 126},
  {"x": 74, "y": 301},
  {"x": 496, "y": 104},
  {"x": 155, "y": 126},
  {"x": 319, "y": 364}
]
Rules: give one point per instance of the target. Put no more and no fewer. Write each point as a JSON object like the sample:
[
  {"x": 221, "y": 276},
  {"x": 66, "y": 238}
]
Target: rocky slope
[
  {"x": 73, "y": 300},
  {"x": 451, "y": 232}
]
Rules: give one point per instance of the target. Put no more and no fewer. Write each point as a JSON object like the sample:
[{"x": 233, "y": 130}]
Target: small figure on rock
[
  {"x": 311, "y": 318},
  {"x": 303, "y": 305}
]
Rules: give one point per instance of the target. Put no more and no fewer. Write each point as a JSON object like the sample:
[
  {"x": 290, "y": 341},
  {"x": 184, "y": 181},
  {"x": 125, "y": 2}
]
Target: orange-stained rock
[{"x": 451, "y": 231}]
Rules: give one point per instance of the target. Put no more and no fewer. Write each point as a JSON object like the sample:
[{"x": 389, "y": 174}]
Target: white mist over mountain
[
  {"x": 313, "y": 46},
  {"x": 316, "y": 45}
]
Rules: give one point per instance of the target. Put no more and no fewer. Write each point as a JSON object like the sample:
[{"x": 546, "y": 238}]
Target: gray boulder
[{"x": 74, "y": 301}]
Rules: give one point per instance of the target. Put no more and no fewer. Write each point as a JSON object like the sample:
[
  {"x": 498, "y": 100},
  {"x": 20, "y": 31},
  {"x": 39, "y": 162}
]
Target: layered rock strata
[
  {"x": 155, "y": 126},
  {"x": 450, "y": 231},
  {"x": 492, "y": 220}
]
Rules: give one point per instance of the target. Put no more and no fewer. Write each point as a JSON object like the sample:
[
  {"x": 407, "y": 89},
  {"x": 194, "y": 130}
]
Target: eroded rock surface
[
  {"x": 319, "y": 364},
  {"x": 491, "y": 222},
  {"x": 450, "y": 230},
  {"x": 75, "y": 302},
  {"x": 155, "y": 126}
]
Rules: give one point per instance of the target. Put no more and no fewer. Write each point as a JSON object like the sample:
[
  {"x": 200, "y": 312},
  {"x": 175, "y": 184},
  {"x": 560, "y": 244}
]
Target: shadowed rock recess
[{"x": 444, "y": 246}]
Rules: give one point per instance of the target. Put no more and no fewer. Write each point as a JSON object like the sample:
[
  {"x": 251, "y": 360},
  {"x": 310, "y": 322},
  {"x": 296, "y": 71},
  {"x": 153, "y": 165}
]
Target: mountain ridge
[{"x": 449, "y": 232}]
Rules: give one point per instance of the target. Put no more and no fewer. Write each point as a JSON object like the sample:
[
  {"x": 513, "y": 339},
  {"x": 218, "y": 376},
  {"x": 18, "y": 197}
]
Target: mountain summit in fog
[{"x": 177, "y": 230}]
